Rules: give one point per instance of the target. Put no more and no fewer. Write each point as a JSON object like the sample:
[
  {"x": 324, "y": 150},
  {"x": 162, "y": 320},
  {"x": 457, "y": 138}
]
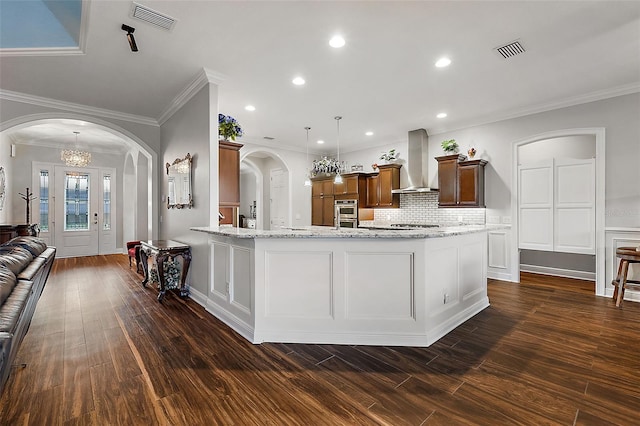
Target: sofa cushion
[
  {"x": 32, "y": 269},
  {"x": 15, "y": 258},
  {"x": 34, "y": 245},
  {"x": 13, "y": 307},
  {"x": 7, "y": 282}
]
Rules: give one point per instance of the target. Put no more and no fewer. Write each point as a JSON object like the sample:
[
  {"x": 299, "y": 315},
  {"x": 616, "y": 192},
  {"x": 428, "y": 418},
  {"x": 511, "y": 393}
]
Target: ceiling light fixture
[
  {"x": 130, "y": 38},
  {"x": 338, "y": 178},
  {"x": 443, "y": 62},
  {"x": 369, "y": 134},
  {"x": 307, "y": 179},
  {"x": 336, "y": 41},
  {"x": 250, "y": 108},
  {"x": 298, "y": 81},
  {"x": 442, "y": 115},
  {"x": 75, "y": 157},
  {"x": 320, "y": 142}
]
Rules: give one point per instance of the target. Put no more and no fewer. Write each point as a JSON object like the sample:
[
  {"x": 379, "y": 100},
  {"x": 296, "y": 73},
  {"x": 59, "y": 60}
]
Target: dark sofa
[{"x": 25, "y": 263}]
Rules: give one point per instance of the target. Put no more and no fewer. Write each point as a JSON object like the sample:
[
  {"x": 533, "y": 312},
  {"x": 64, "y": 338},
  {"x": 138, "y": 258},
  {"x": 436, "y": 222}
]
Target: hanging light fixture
[
  {"x": 307, "y": 179},
  {"x": 75, "y": 157},
  {"x": 338, "y": 178}
]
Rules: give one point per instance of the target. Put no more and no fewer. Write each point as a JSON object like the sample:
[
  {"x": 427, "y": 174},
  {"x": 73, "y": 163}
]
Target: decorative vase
[{"x": 471, "y": 152}]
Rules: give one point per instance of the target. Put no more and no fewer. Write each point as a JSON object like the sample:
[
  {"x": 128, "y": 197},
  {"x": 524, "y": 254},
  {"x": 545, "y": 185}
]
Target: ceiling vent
[
  {"x": 145, "y": 14},
  {"x": 269, "y": 138},
  {"x": 511, "y": 49}
]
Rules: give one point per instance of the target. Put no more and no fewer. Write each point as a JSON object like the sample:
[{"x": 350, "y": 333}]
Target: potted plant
[
  {"x": 228, "y": 127},
  {"x": 389, "y": 156},
  {"x": 450, "y": 146}
]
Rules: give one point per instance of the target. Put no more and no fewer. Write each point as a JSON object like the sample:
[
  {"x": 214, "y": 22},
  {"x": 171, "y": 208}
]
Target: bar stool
[{"x": 627, "y": 256}]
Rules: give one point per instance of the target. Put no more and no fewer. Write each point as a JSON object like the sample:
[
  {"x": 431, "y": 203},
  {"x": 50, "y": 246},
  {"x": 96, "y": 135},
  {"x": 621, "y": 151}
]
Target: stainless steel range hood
[{"x": 417, "y": 160}]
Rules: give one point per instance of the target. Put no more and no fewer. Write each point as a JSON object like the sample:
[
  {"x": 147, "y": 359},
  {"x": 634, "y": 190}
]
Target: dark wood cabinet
[
  {"x": 322, "y": 201},
  {"x": 380, "y": 186},
  {"x": 229, "y": 181},
  {"x": 461, "y": 183}
]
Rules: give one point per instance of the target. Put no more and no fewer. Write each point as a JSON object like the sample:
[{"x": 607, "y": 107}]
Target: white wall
[
  {"x": 247, "y": 192},
  {"x": 6, "y": 162},
  {"x": 578, "y": 146},
  {"x": 369, "y": 156},
  {"x": 189, "y": 131},
  {"x": 494, "y": 142}
]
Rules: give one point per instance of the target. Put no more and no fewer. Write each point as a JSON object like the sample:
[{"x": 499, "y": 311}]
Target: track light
[{"x": 132, "y": 40}]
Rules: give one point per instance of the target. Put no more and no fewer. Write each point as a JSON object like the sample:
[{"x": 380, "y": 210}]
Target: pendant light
[
  {"x": 338, "y": 178},
  {"x": 75, "y": 157},
  {"x": 307, "y": 179}
]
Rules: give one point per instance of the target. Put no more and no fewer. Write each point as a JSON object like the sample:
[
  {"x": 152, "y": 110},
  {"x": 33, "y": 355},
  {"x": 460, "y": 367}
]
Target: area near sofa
[{"x": 25, "y": 263}]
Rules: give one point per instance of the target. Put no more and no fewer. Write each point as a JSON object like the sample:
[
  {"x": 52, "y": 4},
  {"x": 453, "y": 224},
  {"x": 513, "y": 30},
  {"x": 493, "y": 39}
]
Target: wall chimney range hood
[{"x": 417, "y": 160}]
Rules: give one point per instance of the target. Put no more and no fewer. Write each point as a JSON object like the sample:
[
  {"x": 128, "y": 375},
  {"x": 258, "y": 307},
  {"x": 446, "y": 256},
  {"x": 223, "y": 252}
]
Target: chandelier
[{"x": 75, "y": 157}]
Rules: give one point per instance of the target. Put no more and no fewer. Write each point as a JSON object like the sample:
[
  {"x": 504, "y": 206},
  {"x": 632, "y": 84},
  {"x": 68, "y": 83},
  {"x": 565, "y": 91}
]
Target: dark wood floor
[{"x": 102, "y": 351}]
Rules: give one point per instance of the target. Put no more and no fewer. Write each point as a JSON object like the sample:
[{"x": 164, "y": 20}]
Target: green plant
[
  {"x": 390, "y": 155},
  {"x": 450, "y": 146}
]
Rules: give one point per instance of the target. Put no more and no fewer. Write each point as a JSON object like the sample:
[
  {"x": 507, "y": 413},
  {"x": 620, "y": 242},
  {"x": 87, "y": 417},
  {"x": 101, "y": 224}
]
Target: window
[
  {"x": 106, "y": 197},
  {"x": 44, "y": 200}
]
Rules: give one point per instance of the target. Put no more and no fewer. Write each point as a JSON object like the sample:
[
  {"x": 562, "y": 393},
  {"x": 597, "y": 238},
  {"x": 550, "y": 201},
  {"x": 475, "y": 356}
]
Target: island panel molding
[{"x": 327, "y": 286}]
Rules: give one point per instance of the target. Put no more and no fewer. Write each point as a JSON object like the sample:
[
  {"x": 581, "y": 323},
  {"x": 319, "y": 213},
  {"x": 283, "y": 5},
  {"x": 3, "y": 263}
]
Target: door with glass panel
[{"x": 75, "y": 209}]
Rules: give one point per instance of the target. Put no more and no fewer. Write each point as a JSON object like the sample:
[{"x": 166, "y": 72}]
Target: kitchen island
[{"x": 352, "y": 286}]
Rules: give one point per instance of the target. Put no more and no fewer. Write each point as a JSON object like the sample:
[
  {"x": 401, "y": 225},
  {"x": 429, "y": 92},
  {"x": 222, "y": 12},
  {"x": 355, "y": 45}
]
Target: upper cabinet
[
  {"x": 461, "y": 183},
  {"x": 379, "y": 187},
  {"x": 229, "y": 181}
]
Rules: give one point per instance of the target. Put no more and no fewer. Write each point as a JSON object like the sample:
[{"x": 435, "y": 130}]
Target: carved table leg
[
  {"x": 144, "y": 259},
  {"x": 186, "y": 257},
  {"x": 160, "y": 258}
]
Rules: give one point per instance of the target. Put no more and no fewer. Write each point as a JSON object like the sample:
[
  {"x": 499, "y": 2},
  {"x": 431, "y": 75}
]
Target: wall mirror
[{"x": 179, "y": 183}]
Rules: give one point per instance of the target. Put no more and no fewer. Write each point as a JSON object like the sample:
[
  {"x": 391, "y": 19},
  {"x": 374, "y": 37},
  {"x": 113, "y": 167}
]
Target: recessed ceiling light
[
  {"x": 369, "y": 133},
  {"x": 320, "y": 142},
  {"x": 298, "y": 81},
  {"x": 336, "y": 41},
  {"x": 443, "y": 62},
  {"x": 250, "y": 108},
  {"x": 442, "y": 115}
]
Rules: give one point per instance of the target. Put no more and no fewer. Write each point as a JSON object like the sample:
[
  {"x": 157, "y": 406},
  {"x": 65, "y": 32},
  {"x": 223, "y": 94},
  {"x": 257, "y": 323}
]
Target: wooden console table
[{"x": 164, "y": 250}]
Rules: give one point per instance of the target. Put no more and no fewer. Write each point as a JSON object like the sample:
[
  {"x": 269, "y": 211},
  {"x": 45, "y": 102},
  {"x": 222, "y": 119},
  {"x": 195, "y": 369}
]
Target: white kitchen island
[{"x": 354, "y": 286}]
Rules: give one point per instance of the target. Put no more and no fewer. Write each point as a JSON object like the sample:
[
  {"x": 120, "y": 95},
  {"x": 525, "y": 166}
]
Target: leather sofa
[{"x": 25, "y": 263}]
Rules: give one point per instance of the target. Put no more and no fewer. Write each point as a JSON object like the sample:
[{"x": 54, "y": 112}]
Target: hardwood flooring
[{"x": 102, "y": 351}]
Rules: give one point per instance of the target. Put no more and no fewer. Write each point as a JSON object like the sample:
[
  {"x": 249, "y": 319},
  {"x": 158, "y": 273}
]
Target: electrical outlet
[
  {"x": 493, "y": 219},
  {"x": 506, "y": 220}
]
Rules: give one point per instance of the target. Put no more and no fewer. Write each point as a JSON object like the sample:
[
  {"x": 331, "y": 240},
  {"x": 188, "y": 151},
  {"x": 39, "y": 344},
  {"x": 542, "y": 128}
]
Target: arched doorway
[
  {"x": 40, "y": 138},
  {"x": 266, "y": 176},
  {"x": 519, "y": 149}
]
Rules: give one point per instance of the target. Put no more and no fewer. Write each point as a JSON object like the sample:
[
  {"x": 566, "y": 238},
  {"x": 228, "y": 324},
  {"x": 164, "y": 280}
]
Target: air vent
[
  {"x": 269, "y": 138},
  {"x": 143, "y": 13},
  {"x": 508, "y": 50}
]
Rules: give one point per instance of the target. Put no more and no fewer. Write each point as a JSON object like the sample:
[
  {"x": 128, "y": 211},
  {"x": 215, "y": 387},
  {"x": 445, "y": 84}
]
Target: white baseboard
[
  {"x": 196, "y": 296},
  {"x": 629, "y": 295},
  {"x": 566, "y": 273},
  {"x": 499, "y": 275}
]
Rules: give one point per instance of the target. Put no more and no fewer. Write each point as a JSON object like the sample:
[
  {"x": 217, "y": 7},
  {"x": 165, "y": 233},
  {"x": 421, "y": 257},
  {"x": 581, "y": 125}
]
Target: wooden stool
[{"x": 627, "y": 256}]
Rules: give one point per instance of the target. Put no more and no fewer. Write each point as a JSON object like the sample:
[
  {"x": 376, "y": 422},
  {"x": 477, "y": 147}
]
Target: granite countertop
[{"x": 330, "y": 232}]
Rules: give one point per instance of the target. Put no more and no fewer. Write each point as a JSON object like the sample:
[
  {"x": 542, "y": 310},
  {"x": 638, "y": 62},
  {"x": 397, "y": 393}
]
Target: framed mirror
[{"x": 179, "y": 183}]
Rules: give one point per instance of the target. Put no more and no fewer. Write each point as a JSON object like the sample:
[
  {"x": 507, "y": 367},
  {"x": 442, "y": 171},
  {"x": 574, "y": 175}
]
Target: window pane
[
  {"x": 44, "y": 200},
  {"x": 76, "y": 202},
  {"x": 106, "y": 219}
]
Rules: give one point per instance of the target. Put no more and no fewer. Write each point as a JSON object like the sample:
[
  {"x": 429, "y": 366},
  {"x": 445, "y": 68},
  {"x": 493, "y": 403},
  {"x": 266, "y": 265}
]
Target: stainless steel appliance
[{"x": 346, "y": 213}]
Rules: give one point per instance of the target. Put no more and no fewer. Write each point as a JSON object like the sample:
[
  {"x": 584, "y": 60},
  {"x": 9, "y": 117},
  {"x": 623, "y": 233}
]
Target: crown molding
[
  {"x": 202, "y": 78},
  {"x": 120, "y": 149},
  {"x": 77, "y": 108},
  {"x": 568, "y": 102}
]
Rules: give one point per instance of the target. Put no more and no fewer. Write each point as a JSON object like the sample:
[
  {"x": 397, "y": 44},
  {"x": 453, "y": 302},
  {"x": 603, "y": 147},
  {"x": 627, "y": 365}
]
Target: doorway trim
[
  {"x": 253, "y": 168},
  {"x": 599, "y": 133}
]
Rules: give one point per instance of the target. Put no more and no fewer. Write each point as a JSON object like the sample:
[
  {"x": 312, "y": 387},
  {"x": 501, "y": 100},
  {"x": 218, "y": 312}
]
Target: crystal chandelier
[{"x": 76, "y": 157}]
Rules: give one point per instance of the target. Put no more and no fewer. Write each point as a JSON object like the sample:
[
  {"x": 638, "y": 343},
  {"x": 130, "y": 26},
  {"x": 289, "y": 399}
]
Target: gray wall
[
  {"x": 188, "y": 131},
  {"x": 619, "y": 117}
]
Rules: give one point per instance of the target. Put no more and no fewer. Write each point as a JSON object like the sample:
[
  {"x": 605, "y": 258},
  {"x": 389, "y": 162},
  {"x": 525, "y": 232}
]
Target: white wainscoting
[
  {"x": 499, "y": 266},
  {"x": 620, "y": 237}
]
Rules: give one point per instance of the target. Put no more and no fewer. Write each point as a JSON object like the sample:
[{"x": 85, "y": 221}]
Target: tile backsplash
[{"x": 423, "y": 208}]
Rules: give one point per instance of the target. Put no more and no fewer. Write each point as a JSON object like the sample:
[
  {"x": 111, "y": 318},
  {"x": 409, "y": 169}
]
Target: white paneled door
[
  {"x": 278, "y": 198},
  {"x": 75, "y": 208},
  {"x": 556, "y": 206}
]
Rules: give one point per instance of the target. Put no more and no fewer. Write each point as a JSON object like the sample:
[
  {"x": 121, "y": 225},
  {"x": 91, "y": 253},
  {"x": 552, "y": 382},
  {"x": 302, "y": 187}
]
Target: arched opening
[
  {"x": 543, "y": 152},
  {"x": 266, "y": 176},
  {"x": 39, "y": 138}
]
